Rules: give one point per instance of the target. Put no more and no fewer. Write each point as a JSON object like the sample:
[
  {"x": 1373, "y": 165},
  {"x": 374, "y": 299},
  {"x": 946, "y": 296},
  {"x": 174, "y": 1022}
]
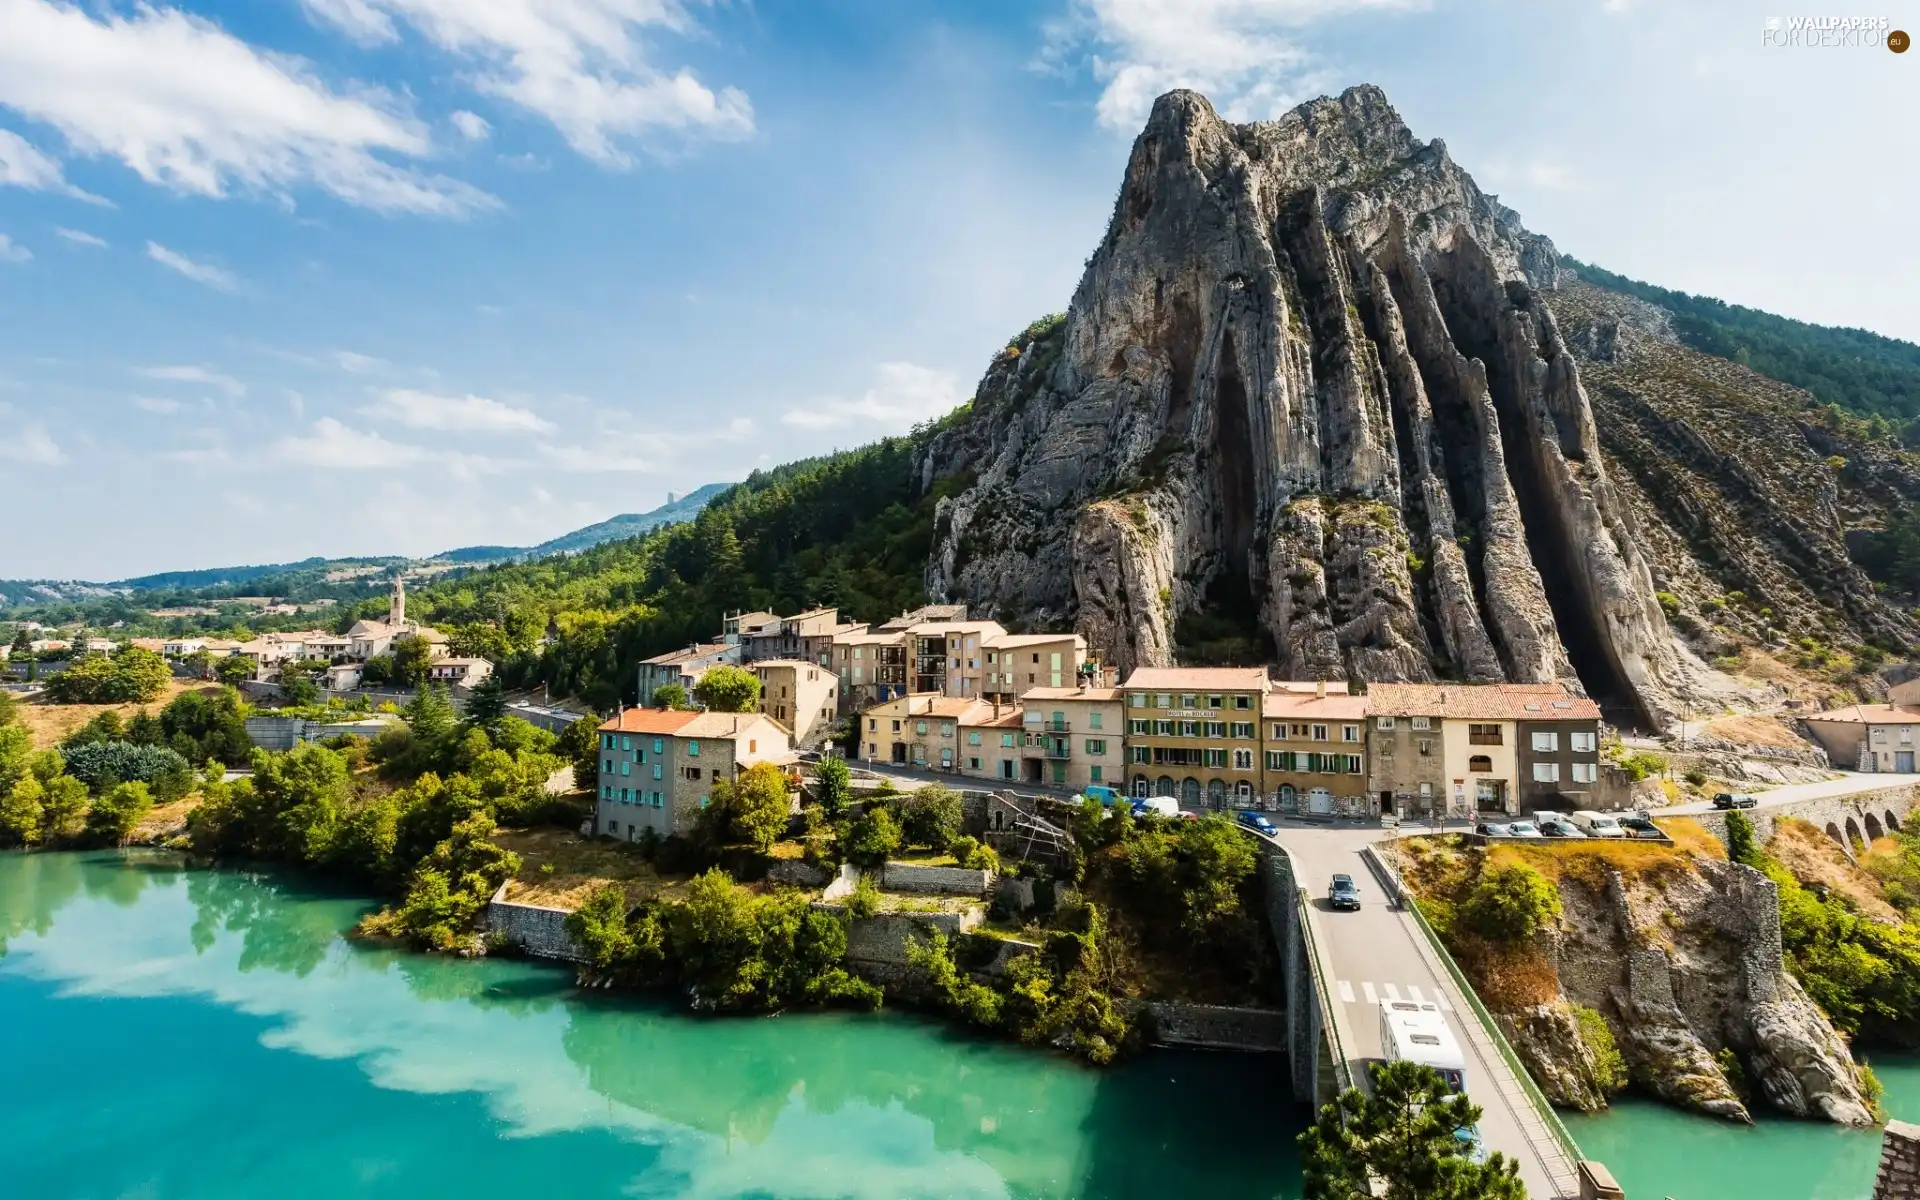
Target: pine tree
[{"x": 1407, "y": 1135}]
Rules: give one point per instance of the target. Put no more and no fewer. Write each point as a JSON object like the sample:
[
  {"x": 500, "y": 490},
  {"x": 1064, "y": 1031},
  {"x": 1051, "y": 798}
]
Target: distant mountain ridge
[{"x": 27, "y": 593}]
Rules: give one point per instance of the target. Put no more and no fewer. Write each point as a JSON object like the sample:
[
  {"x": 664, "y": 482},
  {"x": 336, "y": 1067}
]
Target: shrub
[
  {"x": 113, "y": 816},
  {"x": 1609, "y": 1068},
  {"x": 1696, "y": 777},
  {"x": 930, "y": 817},
  {"x": 835, "y": 784},
  {"x": 873, "y": 838},
  {"x": 728, "y": 689},
  {"x": 128, "y": 675},
  {"x": 865, "y": 900},
  {"x": 1669, "y": 603},
  {"x": 1510, "y": 904},
  {"x": 1642, "y": 764},
  {"x": 101, "y": 765}
]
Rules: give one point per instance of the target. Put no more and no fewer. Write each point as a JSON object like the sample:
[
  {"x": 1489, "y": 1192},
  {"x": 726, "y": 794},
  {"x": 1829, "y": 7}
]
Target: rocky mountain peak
[{"x": 1310, "y": 402}]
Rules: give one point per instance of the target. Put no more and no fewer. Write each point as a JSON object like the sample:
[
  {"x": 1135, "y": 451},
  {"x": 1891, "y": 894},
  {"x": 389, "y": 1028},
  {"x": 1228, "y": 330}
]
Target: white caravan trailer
[{"x": 1411, "y": 1031}]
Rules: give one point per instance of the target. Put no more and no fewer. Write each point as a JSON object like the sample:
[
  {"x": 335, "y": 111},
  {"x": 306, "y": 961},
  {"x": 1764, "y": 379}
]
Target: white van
[
  {"x": 1595, "y": 824},
  {"x": 1165, "y": 806},
  {"x": 1414, "y": 1031}
]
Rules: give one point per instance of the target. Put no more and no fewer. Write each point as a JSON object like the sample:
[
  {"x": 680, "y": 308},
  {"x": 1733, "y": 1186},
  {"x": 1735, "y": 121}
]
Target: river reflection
[{"x": 170, "y": 998}]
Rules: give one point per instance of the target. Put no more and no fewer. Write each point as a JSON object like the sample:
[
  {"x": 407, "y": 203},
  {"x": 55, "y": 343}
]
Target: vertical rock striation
[{"x": 1309, "y": 388}]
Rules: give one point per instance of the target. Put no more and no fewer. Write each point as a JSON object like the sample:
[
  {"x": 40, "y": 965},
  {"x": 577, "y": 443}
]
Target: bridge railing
[
  {"x": 1322, "y": 998},
  {"x": 1548, "y": 1117}
]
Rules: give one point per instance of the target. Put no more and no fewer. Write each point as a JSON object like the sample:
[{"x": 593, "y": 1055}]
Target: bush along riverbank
[
  {"x": 1668, "y": 969},
  {"x": 435, "y": 814}
]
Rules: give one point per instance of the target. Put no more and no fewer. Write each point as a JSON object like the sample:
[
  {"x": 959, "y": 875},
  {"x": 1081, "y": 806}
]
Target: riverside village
[{"x": 1190, "y": 650}]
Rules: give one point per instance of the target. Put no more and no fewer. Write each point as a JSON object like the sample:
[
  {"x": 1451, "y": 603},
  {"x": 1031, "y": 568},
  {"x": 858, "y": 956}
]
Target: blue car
[
  {"x": 1469, "y": 1139},
  {"x": 1258, "y": 823}
]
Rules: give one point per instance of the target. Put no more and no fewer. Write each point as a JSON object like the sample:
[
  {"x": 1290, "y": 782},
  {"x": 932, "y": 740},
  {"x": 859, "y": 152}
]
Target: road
[
  {"x": 1380, "y": 954},
  {"x": 1849, "y": 783}
]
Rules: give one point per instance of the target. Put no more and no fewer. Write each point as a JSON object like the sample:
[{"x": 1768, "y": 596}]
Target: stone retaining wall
[
  {"x": 1260, "y": 1030},
  {"x": 794, "y": 873},
  {"x": 1899, "y": 1177},
  {"x": 532, "y": 929},
  {"x": 943, "y": 881}
]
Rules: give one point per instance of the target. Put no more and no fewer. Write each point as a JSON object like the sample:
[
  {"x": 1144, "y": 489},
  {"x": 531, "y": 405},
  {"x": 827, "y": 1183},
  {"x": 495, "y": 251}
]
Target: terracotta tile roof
[
  {"x": 1485, "y": 701},
  {"x": 1871, "y": 714},
  {"x": 649, "y": 720},
  {"x": 1199, "y": 679},
  {"x": 1067, "y": 693},
  {"x": 674, "y": 657},
  {"x": 1335, "y": 706}
]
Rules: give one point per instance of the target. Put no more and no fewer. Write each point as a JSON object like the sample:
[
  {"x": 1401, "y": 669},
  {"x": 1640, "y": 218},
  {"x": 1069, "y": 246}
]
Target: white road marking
[
  {"x": 1346, "y": 992},
  {"x": 1413, "y": 993},
  {"x": 1367, "y": 988},
  {"x": 1393, "y": 993}
]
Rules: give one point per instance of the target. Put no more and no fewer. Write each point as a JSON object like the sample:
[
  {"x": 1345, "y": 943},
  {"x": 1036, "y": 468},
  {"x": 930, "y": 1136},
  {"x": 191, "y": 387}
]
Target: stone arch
[
  {"x": 1833, "y": 831},
  {"x": 1480, "y": 763},
  {"x": 1893, "y": 822},
  {"x": 1216, "y": 793},
  {"x": 1874, "y": 831},
  {"x": 1166, "y": 787},
  {"x": 1854, "y": 840},
  {"x": 1190, "y": 792}
]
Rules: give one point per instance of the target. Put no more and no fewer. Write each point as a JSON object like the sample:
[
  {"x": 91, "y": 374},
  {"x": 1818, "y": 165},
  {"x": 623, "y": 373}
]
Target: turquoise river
[{"x": 171, "y": 1034}]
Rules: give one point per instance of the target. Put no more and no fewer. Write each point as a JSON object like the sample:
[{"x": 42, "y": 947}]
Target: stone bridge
[{"x": 1852, "y": 818}]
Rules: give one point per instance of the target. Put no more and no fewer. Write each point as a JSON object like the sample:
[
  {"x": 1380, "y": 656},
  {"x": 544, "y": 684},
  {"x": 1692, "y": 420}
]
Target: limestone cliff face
[
  {"x": 1312, "y": 381},
  {"x": 1683, "y": 965}
]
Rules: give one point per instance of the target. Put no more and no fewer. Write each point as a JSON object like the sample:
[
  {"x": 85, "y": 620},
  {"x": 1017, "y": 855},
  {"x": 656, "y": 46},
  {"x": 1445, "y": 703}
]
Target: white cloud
[
  {"x": 338, "y": 447},
  {"x": 358, "y": 364},
  {"x": 903, "y": 394},
  {"x": 217, "y": 278},
  {"x": 585, "y": 459},
  {"x": 424, "y": 410},
  {"x": 32, "y": 445},
  {"x": 22, "y": 165},
  {"x": 472, "y": 126},
  {"x": 190, "y": 107},
  {"x": 1244, "y": 55},
  {"x": 157, "y": 404},
  {"x": 201, "y": 375},
  {"x": 577, "y": 63},
  {"x": 10, "y": 253},
  {"x": 80, "y": 237}
]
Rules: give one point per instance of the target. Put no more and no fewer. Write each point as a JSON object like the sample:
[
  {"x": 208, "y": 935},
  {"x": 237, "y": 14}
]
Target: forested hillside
[
  {"x": 1860, "y": 372},
  {"x": 844, "y": 530}
]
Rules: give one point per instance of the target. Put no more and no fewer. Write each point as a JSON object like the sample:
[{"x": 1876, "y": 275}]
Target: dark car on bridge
[
  {"x": 1733, "y": 800},
  {"x": 1257, "y": 823},
  {"x": 1343, "y": 894}
]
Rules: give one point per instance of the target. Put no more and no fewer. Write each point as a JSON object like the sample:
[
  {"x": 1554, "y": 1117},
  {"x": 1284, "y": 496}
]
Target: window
[
  {"x": 1546, "y": 772},
  {"x": 1483, "y": 735},
  {"x": 1580, "y": 743},
  {"x": 1189, "y": 729},
  {"x": 973, "y": 737},
  {"x": 896, "y": 727},
  {"x": 626, "y": 768},
  {"x": 1163, "y": 701},
  {"x": 1163, "y": 728},
  {"x": 1279, "y": 731},
  {"x": 1139, "y": 728},
  {"x": 640, "y": 756},
  {"x": 1096, "y": 746},
  {"x": 693, "y": 749},
  {"x": 606, "y": 791},
  {"x": 1421, "y": 724},
  {"x": 1189, "y": 702},
  {"x": 1214, "y": 702},
  {"x": 626, "y": 743},
  {"x": 1243, "y": 729},
  {"x": 1585, "y": 772},
  {"x": 1349, "y": 733},
  {"x": 1093, "y": 775},
  {"x": 1299, "y": 731},
  {"x": 1426, "y": 748},
  {"x": 1383, "y": 723},
  {"x": 1216, "y": 729},
  {"x": 1216, "y": 758},
  {"x": 692, "y": 773},
  {"x": 1243, "y": 701},
  {"x": 1319, "y": 733},
  {"x": 1006, "y": 741},
  {"x": 1273, "y": 760},
  {"x": 606, "y": 741},
  {"x": 656, "y": 770},
  {"x": 1547, "y": 742},
  {"x": 973, "y": 764},
  {"x": 946, "y": 729},
  {"x": 1480, "y": 762},
  {"x": 606, "y": 764},
  {"x": 659, "y": 747},
  {"x": 1243, "y": 760},
  {"x": 873, "y": 726},
  {"x": 1093, "y": 720},
  {"x": 920, "y": 727},
  {"x": 1142, "y": 754},
  {"x": 1137, "y": 700},
  {"x": 1353, "y": 764},
  {"x": 1006, "y": 768}
]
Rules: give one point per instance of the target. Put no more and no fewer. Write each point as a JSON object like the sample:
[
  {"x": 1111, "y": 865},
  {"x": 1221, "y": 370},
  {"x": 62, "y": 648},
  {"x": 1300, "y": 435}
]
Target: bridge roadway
[{"x": 1380, "y": 953}]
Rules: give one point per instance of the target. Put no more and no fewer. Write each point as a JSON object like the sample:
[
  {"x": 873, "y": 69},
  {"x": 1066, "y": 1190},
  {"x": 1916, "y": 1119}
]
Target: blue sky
[{"x": 294, "y": 277}]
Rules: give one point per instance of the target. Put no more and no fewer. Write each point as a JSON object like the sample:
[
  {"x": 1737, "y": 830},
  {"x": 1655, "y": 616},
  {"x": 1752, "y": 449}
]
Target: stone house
[
  {"x": 458, "y": 672},
  {"x": 807, "y": 636},
  {"x": 1314, "y": 749},
  {"x": 1019, "y": 662},
  {"x": 1462, "y": 748},
  {"x": 872, "y": 668},
  {"x": 993, "y": 743},
  {"x": 919, "y": 729},
  {"x": 799, "y": 694},
  {"x": 1194, "y": 733},
  {"x": 658, "y": 767},
  {"x": 684, "y": 667},
  {"x": 1074, "y": 737},
  {"x": 1869, "y": 737}
]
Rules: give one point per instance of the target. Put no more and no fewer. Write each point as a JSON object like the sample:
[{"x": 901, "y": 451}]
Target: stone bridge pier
[{"x": 1852, "y": 820}]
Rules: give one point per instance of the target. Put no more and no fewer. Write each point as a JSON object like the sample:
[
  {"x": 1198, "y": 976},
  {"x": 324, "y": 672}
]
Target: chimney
[{"x": 1320, "y": 691}]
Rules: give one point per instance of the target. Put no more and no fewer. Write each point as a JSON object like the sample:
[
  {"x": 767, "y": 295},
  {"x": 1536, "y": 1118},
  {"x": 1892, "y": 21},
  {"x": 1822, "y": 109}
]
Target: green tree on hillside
[
  {"x": 1406, "y": 1134},
  {"x": 113, "y": 816},
  {"x": 128, "y": 675},
  {"x": 411, "y": 657},
  {"x": 728, "y": 689},
  {"x": 835, "y": 784},
  {"x": 487, "y": 702},
  {"x": 234, "y": 670},
  {"x": 670, "y": 696}
]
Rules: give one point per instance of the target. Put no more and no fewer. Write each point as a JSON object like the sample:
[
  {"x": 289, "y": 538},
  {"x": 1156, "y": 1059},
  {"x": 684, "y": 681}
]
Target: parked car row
[{"x": 1576, "y": 824}]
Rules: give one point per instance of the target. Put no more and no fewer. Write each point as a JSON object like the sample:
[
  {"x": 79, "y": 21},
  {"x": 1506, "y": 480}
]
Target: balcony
[{"x": 1059, "y": 751}]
